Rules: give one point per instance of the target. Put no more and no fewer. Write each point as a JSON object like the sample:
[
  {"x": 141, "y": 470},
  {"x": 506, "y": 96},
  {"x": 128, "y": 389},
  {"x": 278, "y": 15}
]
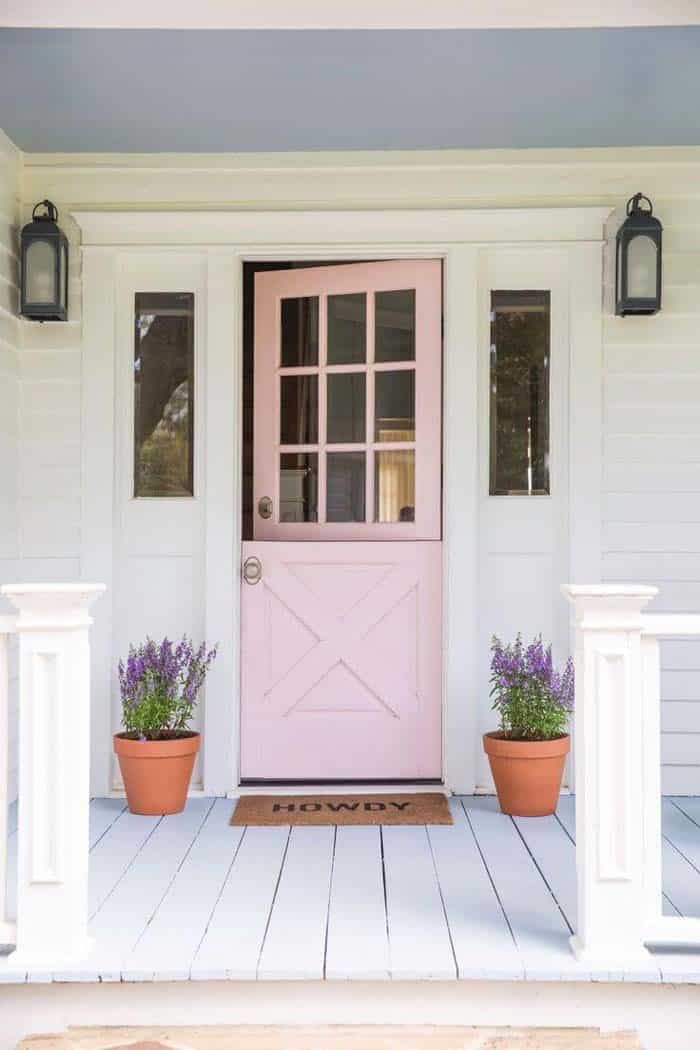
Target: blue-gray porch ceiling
[{"x": 267, "y": 90}]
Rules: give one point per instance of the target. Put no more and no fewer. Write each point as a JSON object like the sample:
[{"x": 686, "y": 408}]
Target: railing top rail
[{"x": 665, "y": 625}]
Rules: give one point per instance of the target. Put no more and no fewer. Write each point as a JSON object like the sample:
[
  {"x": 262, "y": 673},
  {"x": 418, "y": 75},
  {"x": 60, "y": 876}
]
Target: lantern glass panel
[
  {"x": 41, "y": 272},
  {"x": 641, "y": 268},
  {"x": 62, "y": 282}
]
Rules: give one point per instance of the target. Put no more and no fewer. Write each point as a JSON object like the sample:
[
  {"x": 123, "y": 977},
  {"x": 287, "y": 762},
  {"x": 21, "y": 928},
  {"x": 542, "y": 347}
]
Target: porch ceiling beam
[{"x": 348, "y": 14}]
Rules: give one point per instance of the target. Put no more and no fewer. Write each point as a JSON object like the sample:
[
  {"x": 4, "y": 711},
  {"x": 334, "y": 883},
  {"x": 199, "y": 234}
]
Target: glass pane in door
[
  {"x": 395, "y": 319},
  {"x": 395, "y": 486},
  {"x": 345, "y": 486},
  {"x": 346, "y": 407},
  {"x": 395, "y": 406},
  {"x": 299, "y": 334},
  {"x": 299, "y": 410},
  {"x": 298, "y": 486},
  {"x": 347, "y": 329}
]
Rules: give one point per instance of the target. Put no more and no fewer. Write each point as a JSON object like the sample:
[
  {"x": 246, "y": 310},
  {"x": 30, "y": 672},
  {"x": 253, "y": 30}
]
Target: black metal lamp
[
  {"x": 638, "y": 267},
  {"x": 44, "y": 253}
]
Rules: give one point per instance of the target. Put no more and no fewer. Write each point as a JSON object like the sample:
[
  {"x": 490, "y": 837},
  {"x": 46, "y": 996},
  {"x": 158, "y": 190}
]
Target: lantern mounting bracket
[{"x": 50, "y": 215}]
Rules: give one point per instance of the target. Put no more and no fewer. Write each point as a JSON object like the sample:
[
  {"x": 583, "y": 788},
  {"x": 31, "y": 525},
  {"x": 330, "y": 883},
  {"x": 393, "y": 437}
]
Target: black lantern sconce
[
  {"x": 44, "y": 252},
  {"x": 638, "y": 267}
]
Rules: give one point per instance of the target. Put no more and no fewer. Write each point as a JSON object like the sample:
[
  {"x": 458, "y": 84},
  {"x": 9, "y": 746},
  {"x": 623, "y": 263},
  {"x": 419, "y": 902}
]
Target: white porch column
[
  {"x": 611, "y": 792},
  {"x": 54, "y": 762}
]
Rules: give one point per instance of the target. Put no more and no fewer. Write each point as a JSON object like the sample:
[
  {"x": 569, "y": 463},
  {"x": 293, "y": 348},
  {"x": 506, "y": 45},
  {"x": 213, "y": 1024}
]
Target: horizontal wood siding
[
  {"x": 652, "y": 474},
  {"x": 651, "y": 432},
  {"x": 10, "y": 194}
]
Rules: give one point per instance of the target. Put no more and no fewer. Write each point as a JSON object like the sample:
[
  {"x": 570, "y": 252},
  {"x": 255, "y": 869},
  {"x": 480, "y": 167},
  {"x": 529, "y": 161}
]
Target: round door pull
[{"x": 252, "y": 570}]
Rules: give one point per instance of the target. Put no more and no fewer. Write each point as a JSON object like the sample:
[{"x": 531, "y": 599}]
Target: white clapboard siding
[
  {"x": 680, "y": 749},
  {"x": 481, "y": 937},
  {"x": 680, "y": 716},
  {"x": 419, "y": 938},
  {"x": 295, "y": 940},
  {"x": 232, "y": 944},
  {"x": 357, "y": 945},
  {"x": 168, "y": 945},
  {"x": 10, "y": 420}
]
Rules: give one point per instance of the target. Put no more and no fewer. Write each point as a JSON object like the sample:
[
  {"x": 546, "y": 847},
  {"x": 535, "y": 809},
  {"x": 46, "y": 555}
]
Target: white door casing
[{"x": 225, "y": 240}]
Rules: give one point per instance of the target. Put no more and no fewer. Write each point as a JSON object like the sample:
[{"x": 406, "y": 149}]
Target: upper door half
[{"x": 348, "y": 402}]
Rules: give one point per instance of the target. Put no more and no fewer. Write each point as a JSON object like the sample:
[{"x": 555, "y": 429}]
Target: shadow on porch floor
[{"x": 189, "y": 897}]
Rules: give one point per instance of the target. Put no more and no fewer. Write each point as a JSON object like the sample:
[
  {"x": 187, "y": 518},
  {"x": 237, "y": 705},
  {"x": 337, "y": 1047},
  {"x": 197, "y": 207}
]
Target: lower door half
[{"x": 341, "y": 662}]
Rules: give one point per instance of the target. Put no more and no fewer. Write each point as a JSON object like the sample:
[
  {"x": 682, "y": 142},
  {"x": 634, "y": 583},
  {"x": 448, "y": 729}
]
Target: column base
[
  {"x": 43, "y": 958},
  {"x": 633, "y": 959}
]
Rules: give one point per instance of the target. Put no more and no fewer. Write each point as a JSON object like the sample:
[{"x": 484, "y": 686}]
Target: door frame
[{"x": 230, "y": 238}]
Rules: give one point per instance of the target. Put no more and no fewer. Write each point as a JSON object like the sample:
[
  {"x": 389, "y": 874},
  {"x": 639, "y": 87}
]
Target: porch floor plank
[
  {"x": 168, "y": 945},
  {"x": 295, "y": 943},
  {"x": 538, "y": 926},
  {"x": 113, "y": 854},
  {"x": 190, "y": 897},
  {"x": 357, "y": 945},
  {"x": 554, "y": 854},
  {"x": 419, "y": 939},
  {"x": 481, "y": 937},
  {"x": 233, "y": 941},
  {"x": 129, "y": 908}
]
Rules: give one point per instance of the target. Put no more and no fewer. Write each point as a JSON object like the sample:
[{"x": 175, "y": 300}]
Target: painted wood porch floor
[{"x": 188, "y": 897}]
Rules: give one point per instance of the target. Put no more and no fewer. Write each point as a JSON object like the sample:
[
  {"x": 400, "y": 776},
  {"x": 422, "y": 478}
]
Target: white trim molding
[
  {"x": 226, "y": 239},
  {"x": 332, "y": 229},
  {"x": 346, "y": 14}
]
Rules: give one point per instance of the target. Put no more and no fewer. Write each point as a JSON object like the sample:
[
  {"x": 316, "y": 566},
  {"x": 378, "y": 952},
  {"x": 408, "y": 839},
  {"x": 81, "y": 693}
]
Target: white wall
[
  {"x": 651, "y": 433},
  {"x": 10, "y": 193}
]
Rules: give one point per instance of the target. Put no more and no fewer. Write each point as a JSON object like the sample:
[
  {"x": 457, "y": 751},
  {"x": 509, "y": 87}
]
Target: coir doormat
[{"x": 271, "y": 810}]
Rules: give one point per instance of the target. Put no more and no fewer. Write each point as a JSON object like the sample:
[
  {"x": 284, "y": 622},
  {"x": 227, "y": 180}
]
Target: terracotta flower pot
[
  {"x": 527, "y": 773},
  {"x": 156, "y": 773}
]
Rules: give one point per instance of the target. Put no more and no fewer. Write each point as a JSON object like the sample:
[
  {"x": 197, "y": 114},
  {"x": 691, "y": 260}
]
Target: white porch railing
[
  {"x": 617, "y": 749},
  {"x": 52, "y": 624},
  {"x": 617, "y": 771}
]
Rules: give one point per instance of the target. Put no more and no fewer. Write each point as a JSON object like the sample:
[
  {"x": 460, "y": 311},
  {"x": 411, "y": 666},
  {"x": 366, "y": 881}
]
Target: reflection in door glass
[
  {"x": 298, "y": 486},
  {"x": 163, "y": 394},
  {"x": 395, "y": 319},
  {"x": 299, "y": 336},
  {"x": 395, "y": 486},
  {"x": 519, "y": 386},
  {"x": 395, "y": 406},
  {"x": 346, "y": 407},
  {"x": 345, "y": 486},
  {"x": 299, "y": 410},
  {"x": 347, "y": 329}
]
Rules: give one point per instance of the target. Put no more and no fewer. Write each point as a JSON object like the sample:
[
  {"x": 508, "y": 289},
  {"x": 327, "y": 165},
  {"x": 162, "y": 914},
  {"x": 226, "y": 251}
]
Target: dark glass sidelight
[
  {"x": 519, "y": 393},
  {"x": 164, "y": 394}
]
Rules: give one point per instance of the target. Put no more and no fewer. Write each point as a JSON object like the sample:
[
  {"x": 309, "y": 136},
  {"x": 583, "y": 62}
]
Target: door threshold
[{"x": 334, "y": 787}]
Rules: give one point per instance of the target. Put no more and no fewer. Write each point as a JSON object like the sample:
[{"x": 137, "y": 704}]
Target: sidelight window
[
  {"x": 519, "y": 393},
  {"x": 164, "y": 394}
]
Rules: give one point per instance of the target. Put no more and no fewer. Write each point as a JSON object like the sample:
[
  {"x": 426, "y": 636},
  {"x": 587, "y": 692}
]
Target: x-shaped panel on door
[{"x": 341, "y": 639}]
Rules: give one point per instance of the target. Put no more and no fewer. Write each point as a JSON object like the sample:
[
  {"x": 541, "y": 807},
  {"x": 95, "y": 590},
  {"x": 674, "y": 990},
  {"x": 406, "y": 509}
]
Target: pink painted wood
[
  {"x": 423, "y": 275},
  {"x": 341, "y": 641},
  {"x": 341, "y": 672}
]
